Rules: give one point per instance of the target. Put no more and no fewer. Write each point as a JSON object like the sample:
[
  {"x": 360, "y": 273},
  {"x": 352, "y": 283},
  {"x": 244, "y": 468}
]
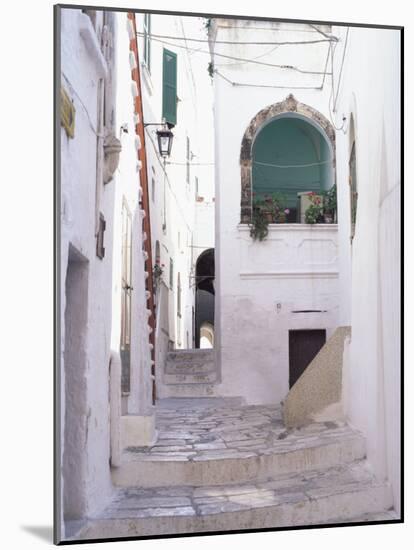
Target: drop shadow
[{"x": 43, "y": 532}]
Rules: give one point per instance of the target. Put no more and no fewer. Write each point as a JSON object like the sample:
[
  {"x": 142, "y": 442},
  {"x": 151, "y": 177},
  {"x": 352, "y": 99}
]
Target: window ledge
[{"x": 245, "y": 227}]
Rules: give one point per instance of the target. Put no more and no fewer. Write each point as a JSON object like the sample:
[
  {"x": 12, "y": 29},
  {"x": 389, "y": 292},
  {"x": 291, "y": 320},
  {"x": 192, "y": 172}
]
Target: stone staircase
[
  {"x": 219, "y": 465},
  {"x": 190, "y": 373}
]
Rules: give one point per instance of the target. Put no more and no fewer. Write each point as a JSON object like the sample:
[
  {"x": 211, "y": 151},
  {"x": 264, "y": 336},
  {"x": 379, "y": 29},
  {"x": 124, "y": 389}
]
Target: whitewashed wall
[
  {"x": 80, "y": 56},
  {"x": 173, "y": 200},
  {"x": 251, "y": 337},
  {"x": 370, "y": 269},
  {"x": 127, "y": 189}
]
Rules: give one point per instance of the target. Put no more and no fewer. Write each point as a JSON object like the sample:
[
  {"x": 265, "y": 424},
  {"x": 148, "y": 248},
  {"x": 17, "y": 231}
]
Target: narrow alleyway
[{"x": 220, "y": 465}]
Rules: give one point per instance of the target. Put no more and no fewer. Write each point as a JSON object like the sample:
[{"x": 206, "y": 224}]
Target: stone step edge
[
  {"x": 356, "y": 504},
  {"x": 185, "y": 370},
  {"x": 227, "y": 470},
  {"x": 184, "y": 383}
]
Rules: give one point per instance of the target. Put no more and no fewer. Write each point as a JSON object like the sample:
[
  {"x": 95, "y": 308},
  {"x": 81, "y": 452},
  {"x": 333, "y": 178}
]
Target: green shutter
[{"x": 169, "y": 87}]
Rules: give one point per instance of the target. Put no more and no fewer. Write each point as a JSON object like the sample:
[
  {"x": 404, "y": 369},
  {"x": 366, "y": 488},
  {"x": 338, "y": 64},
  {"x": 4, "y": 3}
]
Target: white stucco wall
[
  {"x": 127, "y": 190},
  {"x": 295, "y": 266},
  {"x": 78, "y": 181},
  {"x": 173, "y": 201},
  {"x": 370, "y": 269}
]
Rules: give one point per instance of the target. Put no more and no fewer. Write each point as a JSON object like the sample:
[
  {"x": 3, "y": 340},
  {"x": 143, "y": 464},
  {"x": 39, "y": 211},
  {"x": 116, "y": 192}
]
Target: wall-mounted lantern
[{"x": 164, "y": 137}]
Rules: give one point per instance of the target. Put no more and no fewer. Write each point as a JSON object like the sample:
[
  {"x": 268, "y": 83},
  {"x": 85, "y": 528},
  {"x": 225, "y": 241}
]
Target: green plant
[
  {"x": 207, "y": 23},
  {"x": 314, "y": 212},
  {"x": 266, "y": 209},
  {"x": 259, "y": 227},
  {"x": 330, "y": 200},
  {"x": 157, "y": 271}
]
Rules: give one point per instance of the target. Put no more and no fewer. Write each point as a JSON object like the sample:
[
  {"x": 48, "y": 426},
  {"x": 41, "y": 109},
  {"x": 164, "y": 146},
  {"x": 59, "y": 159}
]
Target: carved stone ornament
[{"x": 112, "y": 148}]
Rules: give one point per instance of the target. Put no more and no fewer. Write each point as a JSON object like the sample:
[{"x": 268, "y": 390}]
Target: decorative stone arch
[{"x": 289, "y": 105}]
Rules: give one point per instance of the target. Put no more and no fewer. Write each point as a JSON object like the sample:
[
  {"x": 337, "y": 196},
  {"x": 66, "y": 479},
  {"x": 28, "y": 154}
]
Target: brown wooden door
[{"x": 303, "y": 346}]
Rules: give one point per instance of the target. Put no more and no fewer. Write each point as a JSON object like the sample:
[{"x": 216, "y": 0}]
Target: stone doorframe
[{"x": 289, "y": 105}]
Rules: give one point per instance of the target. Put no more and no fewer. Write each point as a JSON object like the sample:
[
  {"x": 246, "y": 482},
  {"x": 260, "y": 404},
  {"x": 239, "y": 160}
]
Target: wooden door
[{"x": 303, "y": 347}]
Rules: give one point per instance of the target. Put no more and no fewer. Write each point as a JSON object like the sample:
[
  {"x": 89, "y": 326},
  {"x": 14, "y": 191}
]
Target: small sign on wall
[{"x": 67, "y": 113}]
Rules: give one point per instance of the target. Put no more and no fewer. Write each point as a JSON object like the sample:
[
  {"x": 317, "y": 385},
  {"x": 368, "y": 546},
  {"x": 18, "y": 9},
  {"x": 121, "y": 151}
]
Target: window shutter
[{"x": 169, "y": 88}]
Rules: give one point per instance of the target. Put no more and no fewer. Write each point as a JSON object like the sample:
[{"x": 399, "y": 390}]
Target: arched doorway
[
  {"x": 288, "y": 148},
  {"x": 204, "y": 299},
  {"x": 206, "y": 336}
]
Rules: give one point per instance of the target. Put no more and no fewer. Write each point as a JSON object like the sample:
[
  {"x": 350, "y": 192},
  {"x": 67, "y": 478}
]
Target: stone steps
[
  {"x": 201, "y": 389},
  {"x": 193, "y": 361},
  {"x": 234, "y": 452},
  {"x": 340, "y": 494},
  {"x": 189, "y": 373},
  {"x": 197, "y": 378}
]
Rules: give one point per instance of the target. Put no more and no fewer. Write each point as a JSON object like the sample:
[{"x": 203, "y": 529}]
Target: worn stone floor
[
  {"x": 209, "y": 428},
  {"x": 219, "y": 465},
  {"x": 199, "y": 501}
]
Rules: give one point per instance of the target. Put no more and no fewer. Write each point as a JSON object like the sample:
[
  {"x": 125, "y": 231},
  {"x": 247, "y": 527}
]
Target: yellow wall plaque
[{"x": 67, "y": 113}]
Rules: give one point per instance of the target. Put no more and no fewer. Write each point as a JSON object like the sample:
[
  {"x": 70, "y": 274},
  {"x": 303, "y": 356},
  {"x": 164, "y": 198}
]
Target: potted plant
[
  {"x": 262, "y": 215},
  {"x": 330, "y": 205},
  {"x": 314, "y": 212},
  {"x": 266, "y": 209},
  {"x": 279, "y": 211},
  {"x": 157, "y": 272}
]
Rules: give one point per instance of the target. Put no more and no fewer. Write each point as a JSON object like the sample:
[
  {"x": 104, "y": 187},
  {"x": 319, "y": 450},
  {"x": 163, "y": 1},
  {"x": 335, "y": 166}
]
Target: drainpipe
[{"x": 115, "y": 408}]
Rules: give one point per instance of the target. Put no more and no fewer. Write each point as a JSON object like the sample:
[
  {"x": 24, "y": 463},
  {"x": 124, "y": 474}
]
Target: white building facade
[
  {"x": 289, "y": 281},
  {"x": 169, "y": 70},
  {"x": 368, "y": 168},
  {"x": 308, "y": 277},
  {"x": 106, "y": 354}
]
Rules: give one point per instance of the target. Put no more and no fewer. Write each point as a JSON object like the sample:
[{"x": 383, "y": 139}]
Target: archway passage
[
  {"x": 290, "y": 156},
  {"x": 206, "y": 336},
  {"x": 288, "y": 148},
  {"x": 204, "y": 310}
]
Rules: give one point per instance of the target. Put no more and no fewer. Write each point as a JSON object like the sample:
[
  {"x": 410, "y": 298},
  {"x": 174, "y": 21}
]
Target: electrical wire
[
  {"x": 73, "y": 90},
  {"x": 247, "y": 85},
  {"x": 293, "y": 165},
  {"x": 273, "y": 43},
  {"x": 167, "y": 179},
  {"x": 332, "y": 38},
  {"x": 332, "y": 52},
  {"x": 238, "y": 63},
  {"x": 340, "y": 71},
  {"x": 191, "y": 163},
  {"x": 287, "y": 67}
]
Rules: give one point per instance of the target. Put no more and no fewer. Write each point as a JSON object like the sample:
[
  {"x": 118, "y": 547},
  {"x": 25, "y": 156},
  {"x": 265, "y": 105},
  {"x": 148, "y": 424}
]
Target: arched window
[
  {"x": 290, "y": 158},
  {"x": 287, "y": 149}
]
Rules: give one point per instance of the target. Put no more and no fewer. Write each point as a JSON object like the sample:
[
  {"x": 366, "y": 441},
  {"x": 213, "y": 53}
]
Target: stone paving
[
  {"x": 350, "y": 479},
  {"x": 214, "y": 428},
  {"x": 189, "y": 481}
]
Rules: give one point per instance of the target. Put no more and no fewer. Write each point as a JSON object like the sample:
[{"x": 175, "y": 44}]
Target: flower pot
[{"x": 328, "y": 217}]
